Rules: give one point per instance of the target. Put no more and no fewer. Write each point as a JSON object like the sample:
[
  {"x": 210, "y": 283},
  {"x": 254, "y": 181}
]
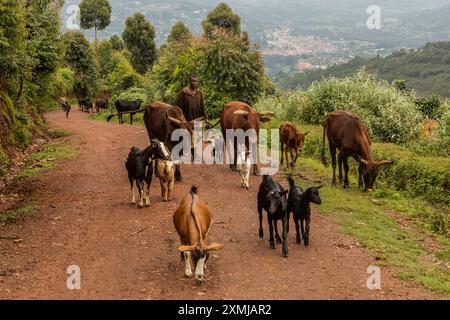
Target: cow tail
[
  {"x": 194, "y": 192},
  {"x": 111, "y": 116},
  {"x": 322, "y": 156}
]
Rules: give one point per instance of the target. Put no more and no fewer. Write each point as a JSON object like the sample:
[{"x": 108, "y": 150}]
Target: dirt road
[{"x": 85, "y": 219}]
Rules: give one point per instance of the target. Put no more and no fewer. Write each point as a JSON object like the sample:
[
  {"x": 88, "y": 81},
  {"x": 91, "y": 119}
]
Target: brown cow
[
  {"x": 192, "y": 221},
  {"x": 161, "y": 120},
  {"x": 239, "y": 115},
  {"x": 348, "y": 134},
  {"x": 291, "y": 141}
]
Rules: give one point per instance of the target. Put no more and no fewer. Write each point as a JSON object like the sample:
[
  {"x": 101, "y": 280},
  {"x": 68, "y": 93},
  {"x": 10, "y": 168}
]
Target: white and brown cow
[{"x": 192, "y": 221}]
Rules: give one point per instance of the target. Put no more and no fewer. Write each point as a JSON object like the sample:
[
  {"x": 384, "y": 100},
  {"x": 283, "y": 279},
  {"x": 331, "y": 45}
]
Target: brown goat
[
  {"x": 291, "y": 141},
  {"x": 192, "y": 221},
  {"x": 166, "y": 174}
]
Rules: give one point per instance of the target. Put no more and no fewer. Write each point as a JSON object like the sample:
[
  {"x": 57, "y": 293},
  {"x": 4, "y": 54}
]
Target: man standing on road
[{"x": 191, "y": 101}]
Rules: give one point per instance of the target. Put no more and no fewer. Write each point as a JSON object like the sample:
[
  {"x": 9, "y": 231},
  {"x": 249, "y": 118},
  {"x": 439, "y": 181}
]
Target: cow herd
[{"x": 193, "y": 218}]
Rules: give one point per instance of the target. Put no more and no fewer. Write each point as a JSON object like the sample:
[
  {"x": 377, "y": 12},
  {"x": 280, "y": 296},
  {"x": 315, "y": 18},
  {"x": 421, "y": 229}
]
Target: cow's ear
[
  {"x": 241, "y": 113},
  {"x": 186, "y": 248},
  {"x": 284, "y": 193},
  {"x": 214, "y": 247},
  {"x": 265, "y": 119}
]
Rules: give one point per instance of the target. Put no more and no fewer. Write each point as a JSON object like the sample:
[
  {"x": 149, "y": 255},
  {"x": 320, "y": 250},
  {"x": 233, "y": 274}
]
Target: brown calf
[
  {"x": 348, "y": 134},
  {"x": 291, "y": 141},
  {"x": 192, "y": 221}
]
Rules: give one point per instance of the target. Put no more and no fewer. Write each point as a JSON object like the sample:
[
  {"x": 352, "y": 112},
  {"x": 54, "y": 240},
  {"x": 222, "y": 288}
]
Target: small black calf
[
  {"x": 140, "y": 169},
  {"x": 272, "y": 198},
  {"x": 299, "y": 203}
]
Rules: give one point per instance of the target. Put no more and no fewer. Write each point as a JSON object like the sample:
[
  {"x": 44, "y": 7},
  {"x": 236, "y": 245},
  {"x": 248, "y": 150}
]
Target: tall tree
[
  {"x": 95, "y": 14},
  {"x": 79, "y": 56},
  {"x": 222, "y": 17},
  {"x": 139, "y": 36},
  {"x": 179, "y": 33},
  {"x": 12, "y": 37},
  {"x": 117, "y": 43}
]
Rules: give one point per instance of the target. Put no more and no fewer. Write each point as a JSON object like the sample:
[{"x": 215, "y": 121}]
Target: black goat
[
  {"x": 272, "y": 198},
  {"x": 140, "y": 169},
  {"x": 299, "y": 203}
]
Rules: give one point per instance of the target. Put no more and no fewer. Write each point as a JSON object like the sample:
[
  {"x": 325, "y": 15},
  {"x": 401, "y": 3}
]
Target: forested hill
[{"x": 426, "y": 70}]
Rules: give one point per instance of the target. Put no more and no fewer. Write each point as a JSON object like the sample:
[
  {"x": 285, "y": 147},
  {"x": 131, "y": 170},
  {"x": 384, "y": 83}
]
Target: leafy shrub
[
  {"x": 436, "y": 140},
  {"x": 431, "y": 107},
  {"x": 134, "y": 94},
  {"x": 388, "y": 114},
  {"x": 123, "y": 77}
]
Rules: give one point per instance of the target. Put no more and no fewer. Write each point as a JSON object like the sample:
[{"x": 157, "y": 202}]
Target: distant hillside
[{"x": 426, "y": 70}]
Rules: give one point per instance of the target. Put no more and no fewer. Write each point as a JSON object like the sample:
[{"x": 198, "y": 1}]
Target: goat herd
[{"x": 193, "y": 218}]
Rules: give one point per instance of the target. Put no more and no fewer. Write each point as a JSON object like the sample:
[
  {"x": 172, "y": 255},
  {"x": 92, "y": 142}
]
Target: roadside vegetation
[
  {"x": 47, "y": 158},
  {"x": 16, "y": 214}
]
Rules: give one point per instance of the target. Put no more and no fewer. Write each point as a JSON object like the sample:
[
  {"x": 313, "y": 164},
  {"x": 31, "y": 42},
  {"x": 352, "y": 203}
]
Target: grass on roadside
[
  {"x": 368, "y": 219},
  {"x": 47, "y": 158},
  {"x": 59, "y": 133},
  {"x": 14, "y": 215}
]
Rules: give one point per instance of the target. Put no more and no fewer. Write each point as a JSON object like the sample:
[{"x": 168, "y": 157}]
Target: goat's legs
[
  {"x": 306, "y": 236},
  {"x": 147, "y": 199},
  {"x": 277, "y": 235},
  {"x": 271, "y": 239},
  {"x": 302, "y": 223},
  {"x": 133, "y": 196},
  {"x": 297, "y": 229},
  {"x": 285, "y": 245},
  {"x": 169, "y": 192},
  {"x": 141, "y": 193},
  {"x": 261, "y": 231}
]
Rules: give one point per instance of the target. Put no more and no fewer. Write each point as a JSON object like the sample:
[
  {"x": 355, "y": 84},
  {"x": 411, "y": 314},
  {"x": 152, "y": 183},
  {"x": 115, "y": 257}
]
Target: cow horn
[
  {"x": 176, "y": 121},
  {"x": 199, "y": 119},
  {"x": 186, "y": 248},
  {"x": 241, "y": 113},
  {"x": 385, "y": 162},
  {"x": 267, "y": 114},
  {"x": 214, "y": 247},
  {"x": 364, "y": 162}
]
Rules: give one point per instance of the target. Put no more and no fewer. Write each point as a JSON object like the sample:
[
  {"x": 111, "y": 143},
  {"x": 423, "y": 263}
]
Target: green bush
[
  {"x": 431, "y": 107},
  {"x": 134, "y": 94},
  {"x": 123, "y": 77},
  {"x": 437, "y": 141},
  {"x": 389, "y": 115}
]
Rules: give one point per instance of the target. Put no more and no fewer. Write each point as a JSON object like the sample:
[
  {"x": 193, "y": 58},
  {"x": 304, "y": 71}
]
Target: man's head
[{"x": 193, "y": 82}]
